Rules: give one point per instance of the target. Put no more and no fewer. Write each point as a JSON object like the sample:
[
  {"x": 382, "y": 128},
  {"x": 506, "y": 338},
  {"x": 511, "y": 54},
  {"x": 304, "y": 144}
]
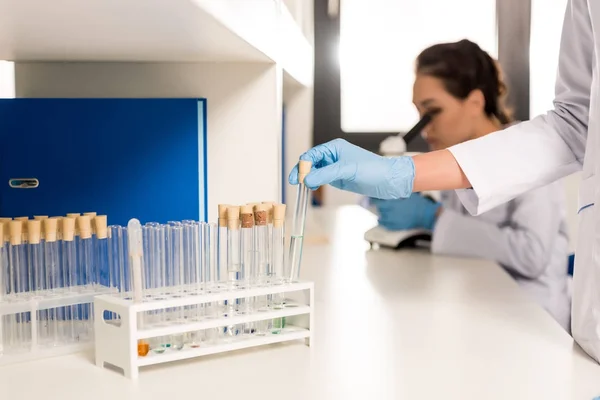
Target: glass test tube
[
  {"x": 209, "y": 247},
  {"x": 95, "y": 269},
  {"x": 70, "y": 266},
  {"x": 18, "y": 272},
  {"x": 233, "y": 260},
  {"x": 85, "y": 248},
  {"x": 261, "y": 274},
  {"x": 101, "y": 250},
  {"x": 136, "y": 255},
  {"x": 176, "y": 272},
  {"x": 52, "y": 274},
  {"x": 278, "y": 245},
  {"x": 248, "y": 268},
  {"x": 297, "y": 234},
  {"x": 269, "y": 246},
  {"x": 222, "y": 275},
  {"x": 38, "y": 275},
  {"x": 155, "y": 262}
]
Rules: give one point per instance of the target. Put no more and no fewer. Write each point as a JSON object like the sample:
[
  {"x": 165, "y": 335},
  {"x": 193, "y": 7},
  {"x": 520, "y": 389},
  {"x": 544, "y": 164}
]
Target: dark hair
[{"x": 463, "y": 67}]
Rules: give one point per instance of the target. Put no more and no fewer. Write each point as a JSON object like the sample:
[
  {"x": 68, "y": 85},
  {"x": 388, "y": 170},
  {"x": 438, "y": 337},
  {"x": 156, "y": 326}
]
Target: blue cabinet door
[{"x": 126, "y": 158}]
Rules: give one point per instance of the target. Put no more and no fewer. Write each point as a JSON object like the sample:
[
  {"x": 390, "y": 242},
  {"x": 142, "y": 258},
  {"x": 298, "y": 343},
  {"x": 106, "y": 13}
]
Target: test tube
[
  {"x": 86, "y": 268},
  {"x": 261, "y": 239},
  {"x": 222, "y": 275},
  {"x": 70, "y": 266},
  {"x": 18, "y": 270},
  {"x": 176, "y": 273},
  {"x": 247, "y": 270},
  {"x": 101, "y": 250},
  {"x": 269, "y": 246},
  {"x": 211, "y": 274},
  {"x": 277, "y": 246},
  {"x": 222, "y": 251},
  {"x": 38, "y": 275},
  {"x": 233, "y": 260},
  {"x": 52, "y": 274},
  {"x": 233, "y": 245},
  {"x": 297, "y": 236},
  {"x": 95, "y": 278},
  {"x": 136, "y": 256}
]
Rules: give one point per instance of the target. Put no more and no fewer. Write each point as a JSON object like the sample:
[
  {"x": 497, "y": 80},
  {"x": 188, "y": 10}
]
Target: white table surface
[{"x": 389, "y": 325}]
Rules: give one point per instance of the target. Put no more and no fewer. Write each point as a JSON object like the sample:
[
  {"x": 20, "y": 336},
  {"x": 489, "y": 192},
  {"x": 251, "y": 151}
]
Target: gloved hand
[
  {"x": 412, "y": 213},
  {"x": 349, "y": 167}
]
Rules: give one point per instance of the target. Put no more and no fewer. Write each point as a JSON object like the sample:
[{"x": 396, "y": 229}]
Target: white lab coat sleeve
[
  {"x": 523, "y": 243},
  {"x": 507, "y": 163}
]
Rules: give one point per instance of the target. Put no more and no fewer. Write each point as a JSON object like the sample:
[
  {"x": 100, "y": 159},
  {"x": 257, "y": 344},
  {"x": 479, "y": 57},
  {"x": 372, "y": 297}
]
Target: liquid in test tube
[{"x": 297, "y": 234}]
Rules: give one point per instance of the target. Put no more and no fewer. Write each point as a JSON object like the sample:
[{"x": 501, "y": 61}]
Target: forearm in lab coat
[
  {"x": 523, "y": 246},
  {"x": 505, "y": 164}
]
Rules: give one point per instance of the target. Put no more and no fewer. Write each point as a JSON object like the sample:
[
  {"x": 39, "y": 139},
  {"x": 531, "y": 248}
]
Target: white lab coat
[
  {"x": 505, "y": 164},
  {"x": 527, "y": 236}
]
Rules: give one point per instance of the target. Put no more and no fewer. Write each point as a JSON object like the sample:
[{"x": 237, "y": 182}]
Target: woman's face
[{"x": 454, "y": 122}]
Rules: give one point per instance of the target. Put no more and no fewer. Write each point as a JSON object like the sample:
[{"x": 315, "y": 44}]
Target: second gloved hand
[
  {"x": 415, "y": 212},
  {"x": 349, "y": 167}
]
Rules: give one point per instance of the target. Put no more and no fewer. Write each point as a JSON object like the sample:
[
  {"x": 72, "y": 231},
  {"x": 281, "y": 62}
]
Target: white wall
[
  {"x": 244, "y": 118},
  {"x": 299, "y": 126}
]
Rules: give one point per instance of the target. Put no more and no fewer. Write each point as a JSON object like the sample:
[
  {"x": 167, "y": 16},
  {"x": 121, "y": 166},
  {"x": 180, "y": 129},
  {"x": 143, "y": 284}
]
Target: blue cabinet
[{"x": 126, "y": 158}]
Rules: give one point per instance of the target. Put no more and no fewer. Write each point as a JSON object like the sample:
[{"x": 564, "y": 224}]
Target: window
[
  {"x": 546, "y": 27},
  {"x": 379, "y": 41}
]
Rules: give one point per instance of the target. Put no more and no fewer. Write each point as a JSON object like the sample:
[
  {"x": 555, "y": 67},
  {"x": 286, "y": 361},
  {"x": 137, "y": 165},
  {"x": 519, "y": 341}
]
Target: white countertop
[{"x": 389, "y": 325}]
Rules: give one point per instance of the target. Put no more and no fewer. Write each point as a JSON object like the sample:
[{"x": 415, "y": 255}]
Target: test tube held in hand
[{"x": 297, "y": 234}]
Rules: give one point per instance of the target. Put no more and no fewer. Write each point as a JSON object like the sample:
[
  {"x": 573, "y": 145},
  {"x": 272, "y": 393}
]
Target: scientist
[
  {"x": 495, "y": 168},
  {"x": 461, "y": 84}
]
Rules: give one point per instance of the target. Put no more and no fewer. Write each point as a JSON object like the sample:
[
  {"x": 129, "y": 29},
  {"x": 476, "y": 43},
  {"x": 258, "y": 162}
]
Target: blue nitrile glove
[
  {"x": 349, "y": 167},
  {"x": 414, "y": 212}
]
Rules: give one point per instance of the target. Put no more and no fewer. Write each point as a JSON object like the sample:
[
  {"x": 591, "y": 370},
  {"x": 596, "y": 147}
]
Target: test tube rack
[
  {"x": 116, "y": 339},
  {"x": 26, "y": 308}
]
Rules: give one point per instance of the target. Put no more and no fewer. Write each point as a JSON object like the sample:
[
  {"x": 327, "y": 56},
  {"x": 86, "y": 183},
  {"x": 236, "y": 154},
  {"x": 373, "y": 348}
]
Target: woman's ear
[{"x": 476, "y": 102}]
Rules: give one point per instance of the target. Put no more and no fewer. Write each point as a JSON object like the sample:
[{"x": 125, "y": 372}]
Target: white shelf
[
  {"x": 242, "y": 342},
  {"x": 292, "y": 309},
  {"x": 46, "y": 299},
  {"x": 157, "y": 31}
]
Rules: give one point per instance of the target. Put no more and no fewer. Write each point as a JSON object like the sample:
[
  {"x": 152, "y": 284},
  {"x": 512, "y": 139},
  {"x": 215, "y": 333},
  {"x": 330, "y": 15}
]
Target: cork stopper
[
  {"x": 50, "y": 226},
  {"x": 40, "y": 217},
  {"x": 222, "y": 214},
  {"x": 92, "y": 215},
  {"x": 16, "y": 231},
  {"x": 269, "y": 205},
  {"x": 247, "y": 216},
  {"x": 34, "y": 231},
  {"x": 23, "y": 227},
  {"x": 74, "y": 216},
  {"x": 85, "y": 227},
  {"x": 59, "y": 226},
  {"x": 278, "y": 215},
  {"x": 303, "y": 170},
  {"x": 261, "y": 214},
  {"x": 2, "y": 233},
  {"x": 101, "y": 224},
  {"x": 68, "y": 229},
  {"x": 233, "y": 217},
  {"x": 6, "y": 228}
]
